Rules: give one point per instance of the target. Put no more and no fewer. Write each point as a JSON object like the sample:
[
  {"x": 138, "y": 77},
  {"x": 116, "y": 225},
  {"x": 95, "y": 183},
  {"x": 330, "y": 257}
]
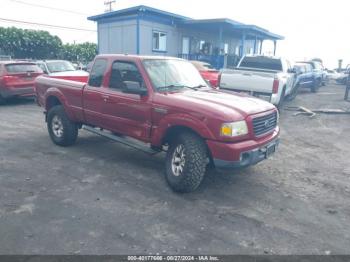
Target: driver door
[{"x": 127, "y": 114}]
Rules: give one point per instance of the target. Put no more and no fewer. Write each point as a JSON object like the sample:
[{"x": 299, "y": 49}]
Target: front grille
[{"x": 264, "y": 124}]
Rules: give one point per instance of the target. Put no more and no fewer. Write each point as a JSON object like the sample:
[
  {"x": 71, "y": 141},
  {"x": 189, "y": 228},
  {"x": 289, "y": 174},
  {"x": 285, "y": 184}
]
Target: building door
[{"x": 185, "y": 45}]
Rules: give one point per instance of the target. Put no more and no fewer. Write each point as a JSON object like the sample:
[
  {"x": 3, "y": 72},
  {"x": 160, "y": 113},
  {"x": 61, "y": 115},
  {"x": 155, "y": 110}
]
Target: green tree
[
  {"x": 23, "y": 43},
  {"x": 84, "y": 53}
]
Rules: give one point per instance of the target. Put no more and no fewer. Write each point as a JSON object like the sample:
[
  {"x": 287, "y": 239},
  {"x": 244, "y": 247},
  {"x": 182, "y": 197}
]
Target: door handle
[{"x": 105, "y": 98}]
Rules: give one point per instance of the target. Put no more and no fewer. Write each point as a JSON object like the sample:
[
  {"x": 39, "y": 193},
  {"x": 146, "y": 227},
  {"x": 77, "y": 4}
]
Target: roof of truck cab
[{"x": 138, "y": 57}]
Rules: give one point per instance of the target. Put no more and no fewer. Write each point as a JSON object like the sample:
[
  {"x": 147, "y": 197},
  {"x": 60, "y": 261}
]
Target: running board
[{"x": 123, "y": 140}]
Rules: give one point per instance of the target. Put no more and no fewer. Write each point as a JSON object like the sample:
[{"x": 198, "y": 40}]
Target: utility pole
[{"x": 109, "y": 5}]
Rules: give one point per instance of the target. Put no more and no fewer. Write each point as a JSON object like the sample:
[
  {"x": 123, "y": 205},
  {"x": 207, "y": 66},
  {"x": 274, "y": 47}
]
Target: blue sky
[{"x": 312, "y": 28}]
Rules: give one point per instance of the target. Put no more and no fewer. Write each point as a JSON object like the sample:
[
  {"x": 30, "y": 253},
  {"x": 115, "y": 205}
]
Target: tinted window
[
  {"x": 22, "y": 68},
  {"x": 123, "y": 72},
  {"x": 262, "y": 63},
  {"x": 97, "y": 73}
]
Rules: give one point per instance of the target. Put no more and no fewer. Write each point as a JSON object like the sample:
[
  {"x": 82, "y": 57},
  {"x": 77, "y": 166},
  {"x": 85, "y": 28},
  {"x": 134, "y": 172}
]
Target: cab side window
[
  {"x": 124, "y": 73},
  {"x": 97, "y": 73}
]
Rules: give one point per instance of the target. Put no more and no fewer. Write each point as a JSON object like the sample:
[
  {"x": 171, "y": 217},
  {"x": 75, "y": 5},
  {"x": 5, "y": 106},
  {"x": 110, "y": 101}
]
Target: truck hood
[
  {"x": 229, "y": 104},
  {"x": 70, "y": 73}
]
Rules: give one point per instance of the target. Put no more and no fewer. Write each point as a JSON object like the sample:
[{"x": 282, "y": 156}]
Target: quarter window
[
  {"x": 159, "y": 41},
  {"x": 97, "y": 73}
]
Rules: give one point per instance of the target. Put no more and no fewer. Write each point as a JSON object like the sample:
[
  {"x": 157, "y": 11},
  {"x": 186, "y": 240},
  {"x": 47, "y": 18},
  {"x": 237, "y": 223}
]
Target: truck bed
[{"x": 70, "y": 93}]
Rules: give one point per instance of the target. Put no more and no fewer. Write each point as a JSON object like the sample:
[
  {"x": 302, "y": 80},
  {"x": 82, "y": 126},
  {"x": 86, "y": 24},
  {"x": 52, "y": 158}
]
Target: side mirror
[{"x": 131, "y": 87}]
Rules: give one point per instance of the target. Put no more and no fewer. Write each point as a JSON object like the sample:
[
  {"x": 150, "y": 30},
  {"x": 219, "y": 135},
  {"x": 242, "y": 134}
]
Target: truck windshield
[
  {"x": 266, "y": 63},
  {"x": 59, "y": 66},
  {"x": 172, "y": 74}
]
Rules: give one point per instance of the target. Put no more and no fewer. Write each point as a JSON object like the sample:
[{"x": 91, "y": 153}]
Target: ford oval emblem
[{"x": 268, "y": 123}]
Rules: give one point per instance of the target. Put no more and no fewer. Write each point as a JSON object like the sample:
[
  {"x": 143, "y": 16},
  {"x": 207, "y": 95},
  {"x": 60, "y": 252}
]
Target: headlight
[{"x": 238, "y": 128}]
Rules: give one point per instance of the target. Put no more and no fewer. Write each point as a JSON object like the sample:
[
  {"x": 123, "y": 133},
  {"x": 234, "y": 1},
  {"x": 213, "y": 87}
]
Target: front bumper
[
  {"x": 243, "y": 154},
  {"x": 17, "y": 91}
]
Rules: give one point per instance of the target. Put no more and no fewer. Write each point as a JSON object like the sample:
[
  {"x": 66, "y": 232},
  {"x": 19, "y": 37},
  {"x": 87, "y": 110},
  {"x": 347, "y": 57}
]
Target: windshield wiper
[
  {"x": 196, "y": 87},
  {"x": 169, "y": 87}
]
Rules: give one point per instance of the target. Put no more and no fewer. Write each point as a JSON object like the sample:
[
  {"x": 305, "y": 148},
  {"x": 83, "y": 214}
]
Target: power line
[
  {"x": 49, "y": 7},
  {"x": 45, "y": 25}
]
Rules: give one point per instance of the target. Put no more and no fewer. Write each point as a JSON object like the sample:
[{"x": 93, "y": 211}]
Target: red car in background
[
  {"x": 17, "y": 79},
  {"x": 62, "y": 69},
  {"x": 208, "y": 72}
]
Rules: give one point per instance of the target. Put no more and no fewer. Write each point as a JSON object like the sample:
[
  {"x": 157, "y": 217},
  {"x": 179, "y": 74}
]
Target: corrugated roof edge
[{"x": 136, "y": 9}]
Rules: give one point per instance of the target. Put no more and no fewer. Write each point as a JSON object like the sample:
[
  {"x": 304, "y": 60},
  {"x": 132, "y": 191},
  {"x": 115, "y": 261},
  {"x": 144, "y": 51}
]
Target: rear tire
[
  {"x": 186, "y": 162},
  {"x": 62, "y": 131},
  {"x": 316, "y": 85},
  {"x": 282, "y": 98}
]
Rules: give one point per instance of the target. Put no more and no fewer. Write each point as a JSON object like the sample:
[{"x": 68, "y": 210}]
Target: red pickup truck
[{"x": 162, "y": 104}]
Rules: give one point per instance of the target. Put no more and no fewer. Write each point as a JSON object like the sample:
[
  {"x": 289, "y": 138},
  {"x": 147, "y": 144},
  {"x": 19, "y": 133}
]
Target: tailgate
[
  {"x": 20, "y": 80},
  {"x": 247, "y": 80},
  {"x": 21, "y": 75}
]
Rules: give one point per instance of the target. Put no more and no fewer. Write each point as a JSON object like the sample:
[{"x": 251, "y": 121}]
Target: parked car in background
[
  {"x": 5, "y": 58},
  {"x": 17, "y": 79},
  {"x": 320, "y": 73},
  {"x": 271, "y": 78},
  {"x": 347, "y": 88},
  {"x": 343, "y": 76},
  {"x": 180, "y": 114},
  {"x": 208, "y": 72},
  {"x": 333, "y": 74},
  {"x": 88, "y": 66},
  {"x": 62, "y": 69},
  {"x": 305, "y": 77}
]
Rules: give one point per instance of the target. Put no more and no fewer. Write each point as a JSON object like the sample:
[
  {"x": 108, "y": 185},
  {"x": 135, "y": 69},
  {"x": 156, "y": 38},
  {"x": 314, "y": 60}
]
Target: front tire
[
  {"x": 62, "y": 131},
  {"x": 186, "y": 162}
]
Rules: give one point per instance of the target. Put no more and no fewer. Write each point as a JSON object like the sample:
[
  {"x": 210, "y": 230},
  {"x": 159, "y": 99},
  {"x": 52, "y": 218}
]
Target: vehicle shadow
[
  {"x": 151, "y": 167},
  {"x": 18, "y": 101}
]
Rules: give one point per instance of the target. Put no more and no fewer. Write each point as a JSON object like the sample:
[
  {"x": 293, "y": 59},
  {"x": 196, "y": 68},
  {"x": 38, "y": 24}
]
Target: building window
[{"x": 159, "y": 41}]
